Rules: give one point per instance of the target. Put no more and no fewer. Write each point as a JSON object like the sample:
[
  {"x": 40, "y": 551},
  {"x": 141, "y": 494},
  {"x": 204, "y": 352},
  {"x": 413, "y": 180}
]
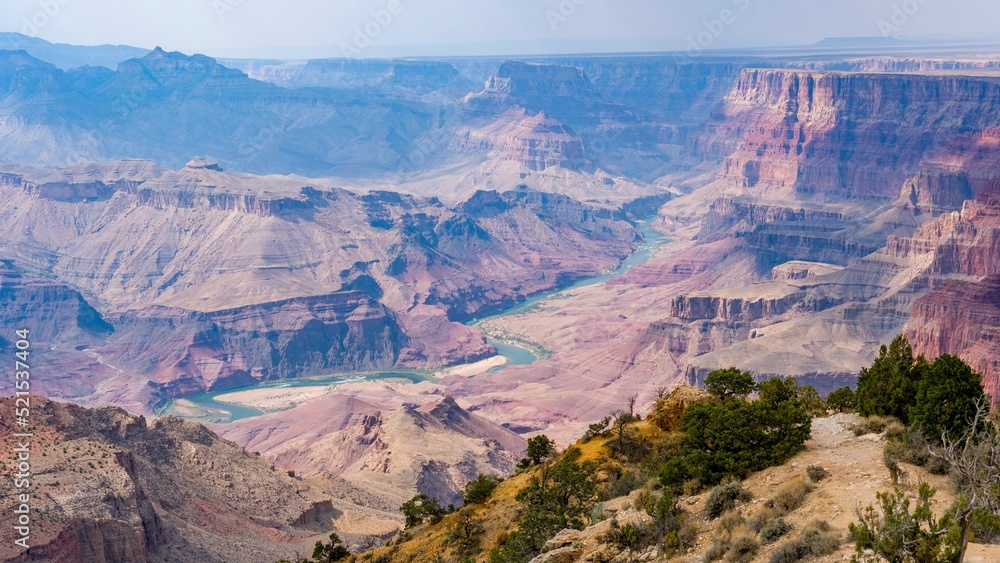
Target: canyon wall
[
  {"x": 961, "y": 316},
  {"x": 209, "y": 280}
]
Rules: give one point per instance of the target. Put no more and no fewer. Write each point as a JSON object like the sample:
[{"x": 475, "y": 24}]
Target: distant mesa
[{"x": 202, "y": 163}]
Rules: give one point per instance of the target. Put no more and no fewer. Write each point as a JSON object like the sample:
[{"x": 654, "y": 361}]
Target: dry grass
[
  {"x": 426, "y": 543},
  {"x": 873, "y": 425},
  {"x": 789, "y": 497}
]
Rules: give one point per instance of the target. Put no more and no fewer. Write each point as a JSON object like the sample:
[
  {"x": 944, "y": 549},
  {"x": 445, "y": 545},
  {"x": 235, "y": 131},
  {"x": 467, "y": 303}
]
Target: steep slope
[
  {"x": 786, "y": 132},
  {"x": 166, "y": 107},
  {"x": 805, "y": 179},
  {"x": 214, "y": 280},
  {"x": 961, "y": 316},
  {"x": 110, "y": 487},
  {"x": 434, "y": 449}
]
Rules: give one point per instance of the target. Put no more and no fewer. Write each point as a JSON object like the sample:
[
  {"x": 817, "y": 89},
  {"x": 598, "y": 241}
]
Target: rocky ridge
[{"x": 112, "y": 487}]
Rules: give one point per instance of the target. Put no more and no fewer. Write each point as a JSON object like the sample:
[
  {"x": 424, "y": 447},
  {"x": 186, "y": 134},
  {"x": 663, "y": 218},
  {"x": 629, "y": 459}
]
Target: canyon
[{"x": 173, "y": 227}]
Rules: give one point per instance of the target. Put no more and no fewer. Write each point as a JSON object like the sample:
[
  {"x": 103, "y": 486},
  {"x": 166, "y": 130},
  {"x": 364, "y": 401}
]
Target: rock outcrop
[
  {"x": 111, "y": 487},
  {"x": 214, "y": 280},
  {"x": 434, "y": 449},
  {"x": 961, "y": 317}
]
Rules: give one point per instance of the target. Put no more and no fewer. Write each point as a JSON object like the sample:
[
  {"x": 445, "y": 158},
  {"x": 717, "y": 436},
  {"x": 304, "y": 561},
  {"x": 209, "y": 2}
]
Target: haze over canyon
[{"x": 383, "y": 276}]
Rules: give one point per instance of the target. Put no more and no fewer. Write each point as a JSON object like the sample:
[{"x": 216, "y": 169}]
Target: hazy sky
[{"x": 260, "y": 27}]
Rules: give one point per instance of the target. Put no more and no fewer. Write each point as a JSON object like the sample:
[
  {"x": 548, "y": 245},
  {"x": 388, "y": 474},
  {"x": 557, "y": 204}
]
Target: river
[{"x": 206, "y": 408}]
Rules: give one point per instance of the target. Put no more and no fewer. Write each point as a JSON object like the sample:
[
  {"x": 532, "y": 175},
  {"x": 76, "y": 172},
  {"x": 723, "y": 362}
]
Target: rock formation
[
  {"x": 111, "y": 487},
  {"x": 434, "y": 449},
  {"x": 213, "y": 280}
]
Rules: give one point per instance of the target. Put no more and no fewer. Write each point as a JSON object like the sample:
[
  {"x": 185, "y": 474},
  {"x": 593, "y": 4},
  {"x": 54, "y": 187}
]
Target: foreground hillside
[
  {"x": 109, "y": 487},
  {"x": 855, "y": 474}
]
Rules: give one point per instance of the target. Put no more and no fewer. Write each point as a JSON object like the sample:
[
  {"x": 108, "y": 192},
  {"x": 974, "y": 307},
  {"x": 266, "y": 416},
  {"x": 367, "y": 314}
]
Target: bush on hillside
[
  {"x": 480, "y": 489},
  {"x": 947, "y": 398},
  {"x": 897, "y": 533},
  {"x": 816, "y": 540},
  {"x": 817, "y": 473},
  {"x": 724, "y": 498},
  {"x": 737, "y": 437},
  {"x": 773, "y": 530},
  {"x": 889, "y": 386}
]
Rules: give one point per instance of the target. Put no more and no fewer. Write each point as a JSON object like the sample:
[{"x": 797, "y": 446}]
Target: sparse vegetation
[
  {"x": 973, "y": 458},
  {"x": 816, "y": 540},
  {"x": 874, "y": 424},
  {"x": 466, "y": 533},
  {"x": 596, "y": 429},
  {"x": 421, "y": 508},
  {"x": 324, "y": 552},
  {"x": 742, "y": 549},
  {"x": 480, "y": 489},
  {"x": 817, "y": 473},
  {"x": 724, "y": 498},
  {"x": 894, "y": 532},
  {"x": 561, "y": 495},
  {"x": 789, "y": 497}
]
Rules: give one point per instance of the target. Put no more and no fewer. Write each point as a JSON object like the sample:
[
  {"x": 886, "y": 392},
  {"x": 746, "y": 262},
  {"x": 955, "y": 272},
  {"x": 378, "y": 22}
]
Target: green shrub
[
  {"x": 561, "y": 495},
  {"x": 897, "y": 533},
  {"x": 540, "y": 448},
  {"x": 738, "y": 437},
  {"x": 889, "y": 386},
  {"x": 773, "y": 530},
  {"x": 947, "y": 398},
  {"x": 729, "y": 383},
  {"x": 480, "y": 489},
  {"x": 724, "y": 498},
  {"x": 596, "y": 429},
  {"x": 810, "y": 400},
  {"x": 841, "y": 400},
  {"x": 421, "y": 508}
]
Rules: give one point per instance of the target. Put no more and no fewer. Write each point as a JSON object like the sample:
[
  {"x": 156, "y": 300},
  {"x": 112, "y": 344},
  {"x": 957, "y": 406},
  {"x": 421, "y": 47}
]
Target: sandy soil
[
  {"x": 469, "y": 370},
  {"x": 275, "y": 398}
]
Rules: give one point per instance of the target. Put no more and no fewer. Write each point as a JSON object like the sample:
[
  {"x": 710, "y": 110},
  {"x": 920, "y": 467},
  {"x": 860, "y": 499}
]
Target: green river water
[{"x": 213, "y": 410}]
